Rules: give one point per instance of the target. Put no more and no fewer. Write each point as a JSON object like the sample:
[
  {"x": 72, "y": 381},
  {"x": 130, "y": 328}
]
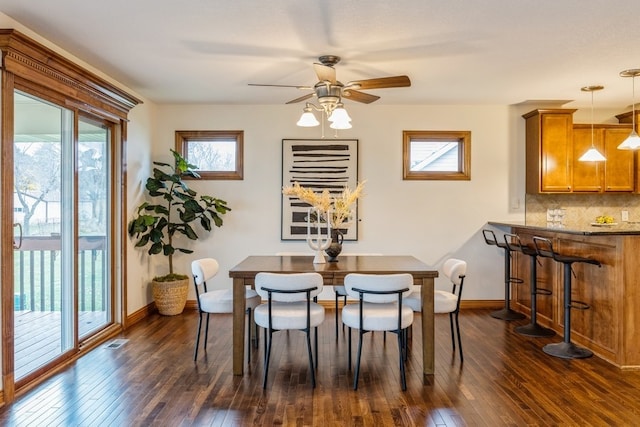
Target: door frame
[{"x": 40, "y": 71}]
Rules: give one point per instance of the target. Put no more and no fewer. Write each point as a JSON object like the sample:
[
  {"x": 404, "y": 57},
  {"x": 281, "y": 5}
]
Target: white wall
[{"x": 430, "y": 220}]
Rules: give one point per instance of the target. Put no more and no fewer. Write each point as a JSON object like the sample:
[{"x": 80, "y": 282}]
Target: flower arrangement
[{"x": 340, "y": 207}]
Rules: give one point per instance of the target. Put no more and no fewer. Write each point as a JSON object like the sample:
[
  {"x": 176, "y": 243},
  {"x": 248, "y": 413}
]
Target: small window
[
  {"x": 436, "y": 155},
  {"x": 217, "y": 154}
]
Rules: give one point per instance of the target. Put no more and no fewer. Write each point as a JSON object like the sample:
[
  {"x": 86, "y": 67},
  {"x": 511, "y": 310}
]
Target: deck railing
[{"x": 37, "y": 268}]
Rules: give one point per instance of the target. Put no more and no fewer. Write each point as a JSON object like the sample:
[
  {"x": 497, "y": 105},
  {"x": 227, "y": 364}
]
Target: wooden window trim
[
  {"x": 184, "y": 136},
  {"x": 464, "y": 157}
]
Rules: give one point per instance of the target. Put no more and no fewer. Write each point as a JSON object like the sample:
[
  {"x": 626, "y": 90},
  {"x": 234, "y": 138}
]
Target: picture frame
[{"x": 318, "y": 164}]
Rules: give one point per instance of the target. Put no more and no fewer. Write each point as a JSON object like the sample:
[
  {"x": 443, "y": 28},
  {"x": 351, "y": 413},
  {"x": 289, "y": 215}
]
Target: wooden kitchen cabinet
[
  {"x": 549, "y": 150},
  {"x": 616, "y": 174}
]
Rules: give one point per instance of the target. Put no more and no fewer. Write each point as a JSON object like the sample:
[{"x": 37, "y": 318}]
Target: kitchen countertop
[{"x": 622, "y": 229}]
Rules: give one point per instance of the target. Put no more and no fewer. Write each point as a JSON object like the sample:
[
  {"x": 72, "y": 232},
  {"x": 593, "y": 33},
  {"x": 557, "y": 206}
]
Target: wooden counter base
[{"x": 611, "y": 326}]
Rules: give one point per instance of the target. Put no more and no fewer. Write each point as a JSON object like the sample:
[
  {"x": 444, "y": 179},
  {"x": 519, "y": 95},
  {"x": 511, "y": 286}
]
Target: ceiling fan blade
[
  {"x": 355, "y": 95},
  {"x": 325, "y": 73},
  {"x": 297, "y": 87},
  {"x": 380, "y": 83},
  {"x": 302, "y": 98}
]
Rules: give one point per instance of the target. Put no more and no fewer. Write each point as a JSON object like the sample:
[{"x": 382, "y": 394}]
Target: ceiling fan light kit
[{"x": 330, "y": 93}]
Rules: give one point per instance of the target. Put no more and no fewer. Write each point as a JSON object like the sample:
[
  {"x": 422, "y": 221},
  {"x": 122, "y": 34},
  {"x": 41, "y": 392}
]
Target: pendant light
[
  {"x": 592, "y": 154},
  {"x": 633, "y": 140}
]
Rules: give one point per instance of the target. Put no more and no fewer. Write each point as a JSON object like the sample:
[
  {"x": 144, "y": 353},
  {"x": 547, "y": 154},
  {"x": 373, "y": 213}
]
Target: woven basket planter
[{"x": 170, "y": 297}]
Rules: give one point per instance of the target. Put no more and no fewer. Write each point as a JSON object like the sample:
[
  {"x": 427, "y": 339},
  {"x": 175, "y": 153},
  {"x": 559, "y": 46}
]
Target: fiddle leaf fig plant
[{"x": 172, "y": 211}]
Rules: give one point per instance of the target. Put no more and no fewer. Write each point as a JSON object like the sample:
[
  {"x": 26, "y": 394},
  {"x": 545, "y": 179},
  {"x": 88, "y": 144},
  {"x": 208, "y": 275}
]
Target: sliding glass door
[{"x": 62, "y": 213}]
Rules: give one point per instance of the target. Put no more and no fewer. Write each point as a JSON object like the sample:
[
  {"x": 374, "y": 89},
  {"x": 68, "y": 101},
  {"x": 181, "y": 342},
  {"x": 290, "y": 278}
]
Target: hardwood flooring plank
[{"x": 506, "y": 380}]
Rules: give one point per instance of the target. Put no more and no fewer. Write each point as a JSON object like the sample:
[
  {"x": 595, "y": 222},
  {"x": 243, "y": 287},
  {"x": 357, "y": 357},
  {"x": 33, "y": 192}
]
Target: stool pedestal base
[
  {"x": 535, "y": 330},
  {"x": 507, "y": 314},
  {"x": 567, "y": 350}
]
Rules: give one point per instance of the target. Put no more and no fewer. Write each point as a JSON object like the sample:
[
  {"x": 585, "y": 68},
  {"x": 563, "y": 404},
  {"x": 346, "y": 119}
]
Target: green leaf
[
  {"x": 156, "y": 248},
  {"x": 155, "y": 235},
  {"x": 168, "y": 250}
]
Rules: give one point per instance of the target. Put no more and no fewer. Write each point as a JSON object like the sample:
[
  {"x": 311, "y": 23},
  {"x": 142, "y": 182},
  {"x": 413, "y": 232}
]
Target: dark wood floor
[{"x": 506, "y": 380}]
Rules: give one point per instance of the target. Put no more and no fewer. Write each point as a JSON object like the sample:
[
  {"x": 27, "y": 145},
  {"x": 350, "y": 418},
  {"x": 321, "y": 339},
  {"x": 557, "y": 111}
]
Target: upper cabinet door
[
  {"x": 587, "y": 176},
  {"x": 549, "y": 150},
  {"x": 619, "y": 169}
]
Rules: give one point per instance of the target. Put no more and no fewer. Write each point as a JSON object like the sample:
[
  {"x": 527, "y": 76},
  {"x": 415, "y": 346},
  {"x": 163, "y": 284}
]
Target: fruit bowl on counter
[{"x": 604, "y": 221}]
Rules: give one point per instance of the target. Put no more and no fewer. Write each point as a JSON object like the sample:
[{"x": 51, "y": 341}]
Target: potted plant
[{"x": 174, "y": 207}]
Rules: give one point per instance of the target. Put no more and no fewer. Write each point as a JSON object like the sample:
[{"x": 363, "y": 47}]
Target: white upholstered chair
[
  {"x": 340, "y": 291},
  {"x": 446, "y": 302},
  {"x": 217, "y": 301},
  {"x": 380, "y": 307},
  {"x": 290, "y": 304}
]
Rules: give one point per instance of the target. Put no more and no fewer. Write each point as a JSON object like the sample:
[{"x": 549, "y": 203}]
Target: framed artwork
[{"x": 317, "y": 164}]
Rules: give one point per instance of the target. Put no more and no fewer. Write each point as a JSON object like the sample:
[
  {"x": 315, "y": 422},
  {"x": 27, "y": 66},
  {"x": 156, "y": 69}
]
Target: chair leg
[
  {"x": 266, "y": 358},
  {"x": 257, "y": 340},
  {"x": 265, "y": 345},
  {"x": 355, "y": 379},
  {"x": 195, "y": 355},
  {"x": 344, "y": 302},
  {"x": 249, "y": 337},
  {"x": 316, "y": 344},
  {"x": 311, "y": 364},
  {"x": 336, "y": 317},
  {"x": 459, "y": 338},
  {"x": 453, "y": 337},
  {"x": 401, "y": 357},
  {"x": 349, "y": 348},
  {"x": 206, "y": 333}
]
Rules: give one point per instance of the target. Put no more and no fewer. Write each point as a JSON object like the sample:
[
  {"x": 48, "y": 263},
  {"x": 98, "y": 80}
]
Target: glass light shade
[
  {"x": 340, "y": 125},
  {"x": 592, "y": 155},
  {"x": 631, "y": 143},
  {"x": 340, "y": 115},
  {"x": 307, "y": 120}
]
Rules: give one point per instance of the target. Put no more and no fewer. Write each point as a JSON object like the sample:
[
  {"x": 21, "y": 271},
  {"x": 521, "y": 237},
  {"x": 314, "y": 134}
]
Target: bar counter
[{"x": 611, "y": 326}]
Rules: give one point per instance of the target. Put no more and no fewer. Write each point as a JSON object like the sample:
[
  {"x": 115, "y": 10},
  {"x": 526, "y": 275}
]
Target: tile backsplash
[{"x": 581, "y": 209}]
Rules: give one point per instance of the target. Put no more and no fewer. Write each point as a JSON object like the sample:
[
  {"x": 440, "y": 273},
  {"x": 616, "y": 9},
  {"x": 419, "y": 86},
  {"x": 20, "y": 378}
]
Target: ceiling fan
[{"x": 330, "y": 91}]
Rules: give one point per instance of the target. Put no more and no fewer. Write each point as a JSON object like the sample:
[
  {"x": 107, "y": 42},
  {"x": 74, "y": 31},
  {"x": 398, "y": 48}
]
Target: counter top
[{"x": 622, "y": 229}]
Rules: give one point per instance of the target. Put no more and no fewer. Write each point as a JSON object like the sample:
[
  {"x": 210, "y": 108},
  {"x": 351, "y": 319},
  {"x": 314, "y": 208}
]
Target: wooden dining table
[{"x": 333, "y": 273}]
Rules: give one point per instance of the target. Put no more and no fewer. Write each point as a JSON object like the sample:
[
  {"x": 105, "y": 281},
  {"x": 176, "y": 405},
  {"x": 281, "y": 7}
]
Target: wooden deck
[
  {"x": 506, "y": 380},
  {"x": 38, "y": 337}
]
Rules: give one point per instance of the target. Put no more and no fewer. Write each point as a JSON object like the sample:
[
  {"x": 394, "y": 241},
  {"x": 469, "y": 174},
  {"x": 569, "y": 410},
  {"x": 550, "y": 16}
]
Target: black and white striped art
[{"x": 316, "y": 164}]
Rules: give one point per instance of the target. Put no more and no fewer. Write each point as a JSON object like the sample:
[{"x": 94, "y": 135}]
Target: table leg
[
  {"x": 239, "y": 309},
  {"x": 428, "y": 332}
]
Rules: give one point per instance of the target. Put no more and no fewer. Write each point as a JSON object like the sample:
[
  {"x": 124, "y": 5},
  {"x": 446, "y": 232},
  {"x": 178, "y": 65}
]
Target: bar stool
[
  {"x": 506, "y": 313},
  {"x": 565, "y": 349},
  {"x": 532, "y": 329}
]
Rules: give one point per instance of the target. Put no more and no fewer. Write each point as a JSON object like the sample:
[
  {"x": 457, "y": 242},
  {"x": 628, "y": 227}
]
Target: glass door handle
[{"x": 19, "y": 245}]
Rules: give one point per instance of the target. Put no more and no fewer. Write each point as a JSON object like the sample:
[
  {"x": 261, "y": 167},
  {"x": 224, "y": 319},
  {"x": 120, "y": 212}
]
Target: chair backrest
[
  {"x": 378, "y": 282},
  {"x": 288, "y": 282},
  {"x": 455, "y": 270},
  {"x": 203, "y": 270}
]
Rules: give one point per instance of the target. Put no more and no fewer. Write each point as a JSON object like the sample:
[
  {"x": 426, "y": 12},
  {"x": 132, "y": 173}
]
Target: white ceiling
[{"x": 454, "y": 51}]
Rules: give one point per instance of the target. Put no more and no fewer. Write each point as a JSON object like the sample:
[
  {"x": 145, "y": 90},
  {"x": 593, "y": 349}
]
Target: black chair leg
[
  {"x": 316, "y": 344},
  {"x": 206, "y": 333},
  {"x": 249, "y": 337},
  {"x": 195, "y": 355},
  {"x": 349, "y": 348},
  {"x": 355, "y": 380},
  {"x": 453, "y": 337},
  {"x": 459, "y": 338},
  {"x": 266, "y": 358},
  {"x": 311, "y": 364},
  {"x": 337, "y": 317},
  {"x": 402, "y": 373}
]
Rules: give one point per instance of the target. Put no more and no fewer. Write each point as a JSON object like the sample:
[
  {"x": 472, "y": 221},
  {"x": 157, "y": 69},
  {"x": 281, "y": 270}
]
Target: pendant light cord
[{"x": 592, "y": 143}]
